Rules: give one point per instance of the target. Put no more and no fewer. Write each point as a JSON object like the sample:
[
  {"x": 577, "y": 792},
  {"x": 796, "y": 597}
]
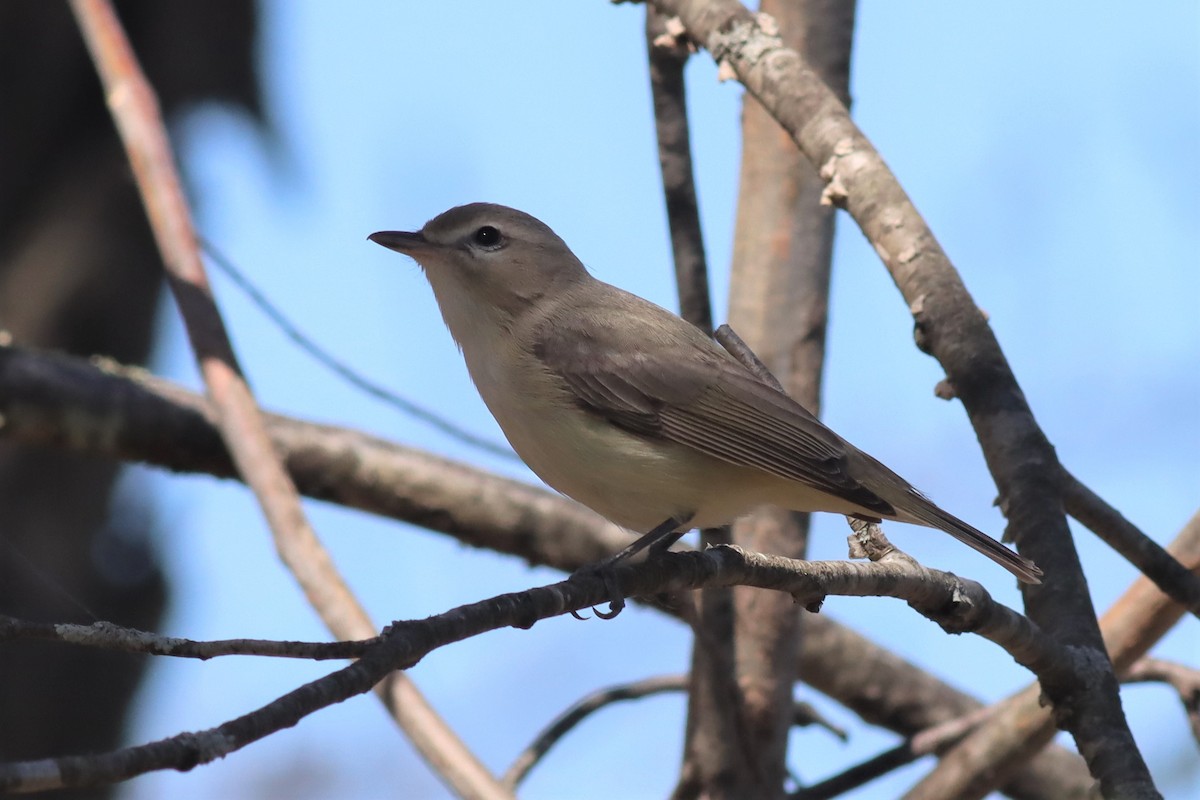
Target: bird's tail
[{"x": 923, "y": 512}]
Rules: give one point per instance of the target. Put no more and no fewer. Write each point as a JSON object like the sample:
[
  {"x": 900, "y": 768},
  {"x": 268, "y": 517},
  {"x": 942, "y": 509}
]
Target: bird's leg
[{"x": 661, "y": 537}]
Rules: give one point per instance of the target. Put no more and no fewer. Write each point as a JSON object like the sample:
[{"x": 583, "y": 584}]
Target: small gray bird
[{"x": 627, "y": 408}]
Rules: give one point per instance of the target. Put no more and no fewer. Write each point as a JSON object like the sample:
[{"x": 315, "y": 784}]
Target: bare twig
[
  {"x": 1180, "y": 584},
  {"x": 950, "y": 327},
  {"x": 139, "y": 123},
  {"x": 1185, "y": 680},
  {"x": 107, "y": 636},
  {"x": 927, "y": 742},
  {"x": 803, "y": 715},
  {"x": 564, "y": 722}
]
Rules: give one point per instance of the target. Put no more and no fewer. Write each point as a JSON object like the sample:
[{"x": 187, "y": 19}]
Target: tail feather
[{"x": 924, "y": 512}]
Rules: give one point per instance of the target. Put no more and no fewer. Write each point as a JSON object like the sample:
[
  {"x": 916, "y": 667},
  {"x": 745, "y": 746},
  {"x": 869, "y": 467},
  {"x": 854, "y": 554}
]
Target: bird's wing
[{"x": 705, "y": 401}]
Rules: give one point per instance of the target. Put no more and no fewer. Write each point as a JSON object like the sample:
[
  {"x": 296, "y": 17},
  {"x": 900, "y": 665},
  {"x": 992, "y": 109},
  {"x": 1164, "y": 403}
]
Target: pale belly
[{"x": 635, "y": 482}]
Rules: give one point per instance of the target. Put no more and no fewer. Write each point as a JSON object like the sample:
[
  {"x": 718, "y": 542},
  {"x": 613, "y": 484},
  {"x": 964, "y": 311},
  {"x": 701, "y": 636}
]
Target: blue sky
[{"x": 1053, "y": 148}]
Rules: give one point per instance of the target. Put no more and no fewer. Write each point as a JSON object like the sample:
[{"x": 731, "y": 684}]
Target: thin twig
[
  {"x": 927, "y": 742},
  {"x": 1176, "y": 581},
  {"x": 139, "y": 122},
  {"x": 564, "y": 722},
  {"x": 1185, "y": 680},
  {"x": 343, "y": 370},
  {"x": 107, "y": 636}
]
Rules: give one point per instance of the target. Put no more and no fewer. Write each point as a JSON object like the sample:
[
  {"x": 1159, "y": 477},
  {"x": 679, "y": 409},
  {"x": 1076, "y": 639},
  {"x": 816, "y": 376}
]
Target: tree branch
[
  {"x": 1151, "y": 559},
  {"x": 107, "y": 636},
  {"x": 958, "y": 605},
  {"x": 1183, "y": 679},
  {"x": 1022, "y": 724},
  {"x": 668, "y": 53},
  {"x": 564, "y": 722},
  {"x": 135, "y": 111},
  {"x": 951, "y": 328}
]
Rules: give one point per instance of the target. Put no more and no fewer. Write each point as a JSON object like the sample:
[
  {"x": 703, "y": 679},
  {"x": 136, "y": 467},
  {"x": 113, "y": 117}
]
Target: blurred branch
[
  {"x": 712, "y": 714},
  {"x": 107, "y": 636},
  {"x": 779, "y": 297},
  {"x": 1180, "y": 584},
  {"x": 1185, "y": 680},
  {"x": 925, "y": 743},
  {"x": 139, "y": 122},
  {"x": 668, "y": 53},
  {"x": 117, "y": 412},
  {"x": 950, "y": 327},
  {"x": 563, "y": 723},
  {"x": 105, "y": 409}
]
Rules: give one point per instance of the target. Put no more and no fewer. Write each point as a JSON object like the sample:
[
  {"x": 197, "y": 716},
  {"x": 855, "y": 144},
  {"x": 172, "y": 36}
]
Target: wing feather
[{"x": 708, "y": 402}]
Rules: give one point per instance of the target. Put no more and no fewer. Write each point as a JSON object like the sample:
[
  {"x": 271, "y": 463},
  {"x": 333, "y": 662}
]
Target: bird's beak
[{"x": 402, "y": 241}]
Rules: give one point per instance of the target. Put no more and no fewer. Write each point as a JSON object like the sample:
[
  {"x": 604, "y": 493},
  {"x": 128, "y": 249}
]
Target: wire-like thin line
[{"x": 301, "y": 340}]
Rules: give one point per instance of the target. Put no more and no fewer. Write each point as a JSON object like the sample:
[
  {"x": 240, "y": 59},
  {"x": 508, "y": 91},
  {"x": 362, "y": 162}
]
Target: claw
[{"x": 615, "y": 601}]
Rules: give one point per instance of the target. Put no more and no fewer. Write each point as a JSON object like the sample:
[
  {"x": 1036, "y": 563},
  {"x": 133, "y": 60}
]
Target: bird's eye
[{"x": 487, "y": 236}]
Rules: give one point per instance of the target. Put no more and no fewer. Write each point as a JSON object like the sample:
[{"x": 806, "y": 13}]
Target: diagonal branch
[
  {"x": 1176, "y": 581},
  {"x": 951, "y": 328},
  {"x": 1022, "y": 724},
  {"x": 135, "y": 111}
]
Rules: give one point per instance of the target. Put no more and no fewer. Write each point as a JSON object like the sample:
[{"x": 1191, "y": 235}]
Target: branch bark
[
  {"x": 139, "y": 123},
  {"x": 779, "y": 294},
  {"x": 1022, "y": 725},
  {"x": 961, "y": 605},
  {"x": 952, "y": 329}
]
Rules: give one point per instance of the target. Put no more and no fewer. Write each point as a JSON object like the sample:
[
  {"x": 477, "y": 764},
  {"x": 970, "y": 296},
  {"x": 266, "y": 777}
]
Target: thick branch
[
  {"x": 951, "y": 328},
  {"x": 1022, "y": 725}
]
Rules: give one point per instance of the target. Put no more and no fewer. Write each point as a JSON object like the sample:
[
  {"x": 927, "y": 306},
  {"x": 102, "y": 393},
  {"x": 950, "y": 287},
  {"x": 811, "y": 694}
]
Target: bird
[{"x": 632, "y": 411}]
